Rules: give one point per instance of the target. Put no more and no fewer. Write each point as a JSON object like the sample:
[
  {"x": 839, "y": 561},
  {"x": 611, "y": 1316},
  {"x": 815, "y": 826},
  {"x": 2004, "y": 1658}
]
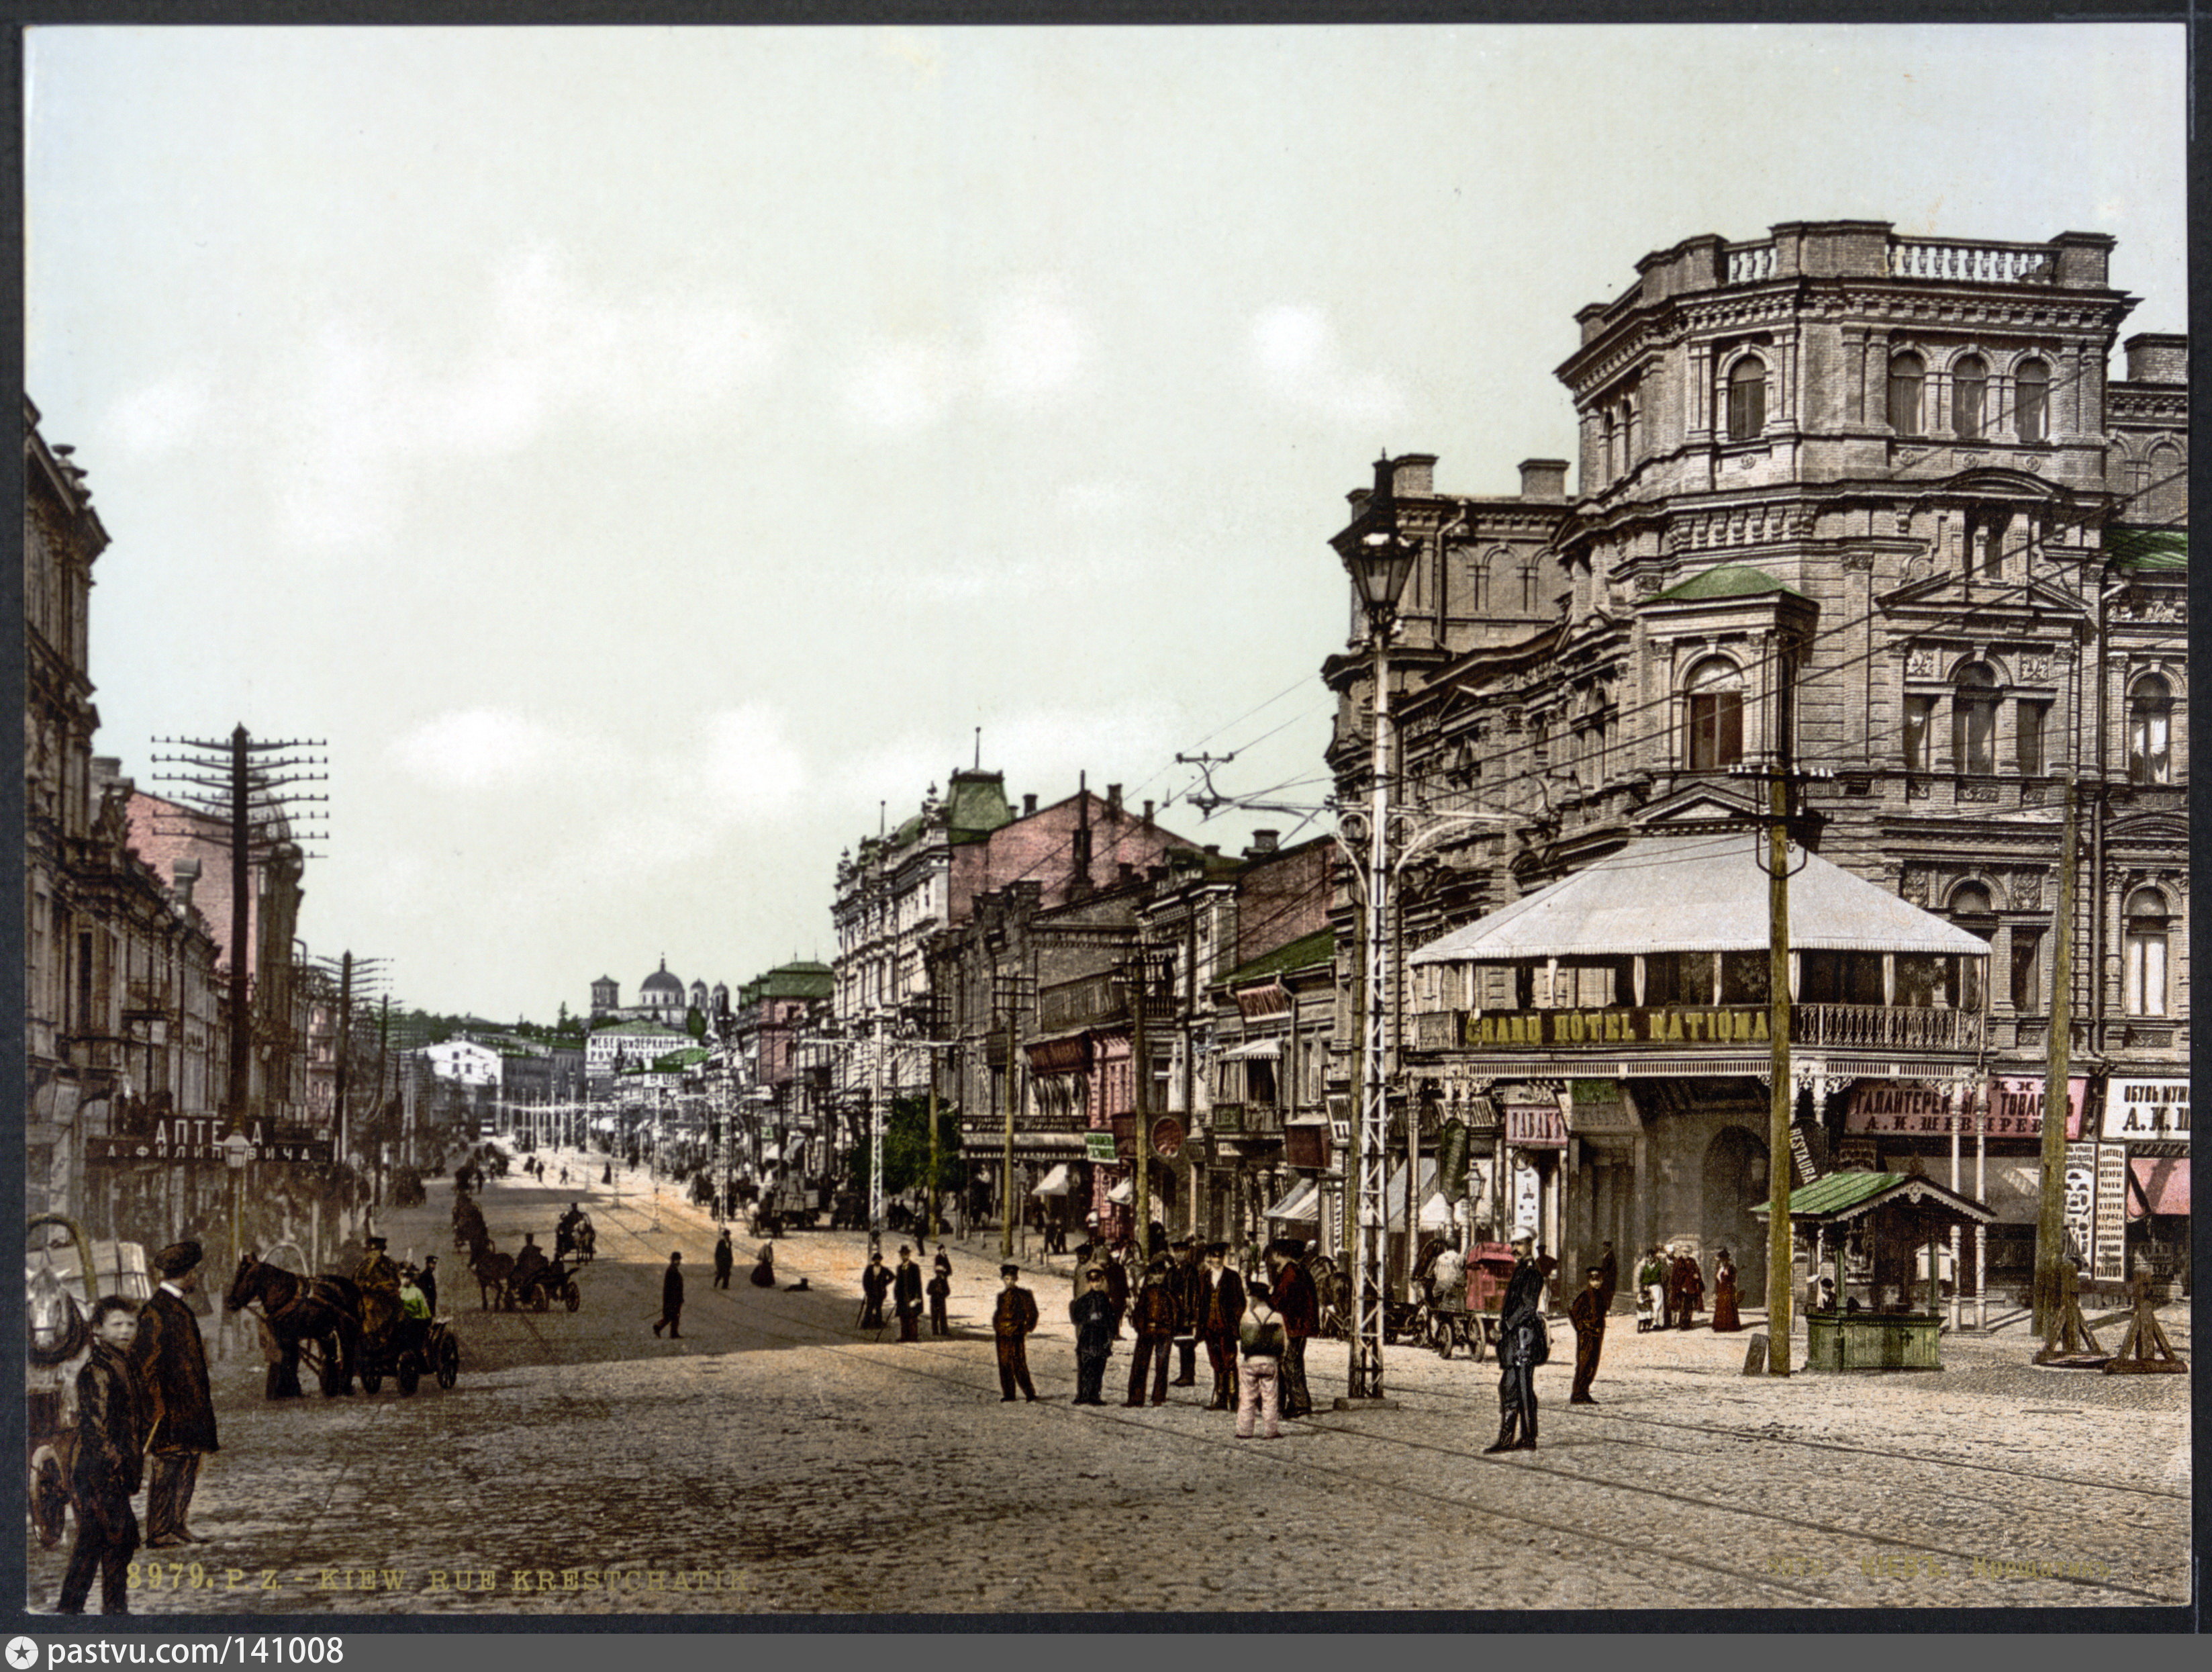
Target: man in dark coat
[
  {"x": 111, "y": 1438},
  {"x": 1154, "y": 1315},
  {"x": 1015, "y": 1317},
  {"x": 1588, "y": 1315},
  {"x": 1092, "y": 1315},
  {"x": 875, "y": 1286},
  {"x": 171, "y": 1360},
  {"x": 427, "y": 1281},
  {"x": 1221, "y": 1309},
  {"x": 906, "y": 1295},
  {"x": 1690, "y": 1291},
  {"x": 725, "y": 1258},
  {"x": 1299, "y": 1303},
  {"x": 1521, "y": 1342},
  {"x": 1188, "y": 1284},
  {"x": 671, "y": 1298}
]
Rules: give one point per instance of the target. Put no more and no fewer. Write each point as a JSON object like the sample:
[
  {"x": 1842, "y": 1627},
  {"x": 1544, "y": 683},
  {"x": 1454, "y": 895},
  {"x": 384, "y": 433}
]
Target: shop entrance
[{"x": 1736, "y": 1182}]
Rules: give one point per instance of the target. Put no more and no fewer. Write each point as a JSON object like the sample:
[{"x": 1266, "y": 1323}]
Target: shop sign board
[
  {"x": 1535, "y": 1127},
  {"x": 2111, "y": 1228},
  {"x": 1519, "y": 1030},
  {"x": 1099, "y": 1146},
  {"x": 2147, "y": 1108},
  {"x": 2080, "y": 1199},
  {"x": 1597, "y": 1105},
  {"x": 1916, "y": 1108},
  {"x": 180, "y": 1137},
  {"x": 1801, "y": 1152}
]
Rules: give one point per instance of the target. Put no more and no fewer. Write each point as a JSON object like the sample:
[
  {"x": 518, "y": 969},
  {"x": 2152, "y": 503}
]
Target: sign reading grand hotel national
[{"x": 1732, "y": 1025}]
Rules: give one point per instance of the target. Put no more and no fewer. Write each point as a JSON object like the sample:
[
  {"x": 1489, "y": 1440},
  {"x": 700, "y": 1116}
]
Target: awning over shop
[
  {"x": 1253, "y": 1050},
  {"x": 2159, "y": 1184},
  {"x": 1123, "y": 1194},
  {"x": 1300, "y": 1205},
  {"x": 1053, "y": 1184},
  {"x": 1435, "y": 1211},
  {"x": 1698, "y": 894}
]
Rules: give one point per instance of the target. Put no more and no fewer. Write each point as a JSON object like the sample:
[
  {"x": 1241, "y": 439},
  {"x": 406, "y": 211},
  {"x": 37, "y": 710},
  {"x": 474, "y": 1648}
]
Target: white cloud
[
  {"x": 160, "y": 417},
  {"x": 1026, "y": 345},
  {"x": 1295, "y": 356},
  {"x": 480, "y": 748},
  {"x": 743, "y": 764},
  {"x": 906, "y": 385}
]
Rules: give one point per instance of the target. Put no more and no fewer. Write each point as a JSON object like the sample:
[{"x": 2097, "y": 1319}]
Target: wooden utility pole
[
  {"x": 2050, "y": 1216},
  {"x": 1141, "y": 1197},
  {"x": 1780, "y": 1102}
]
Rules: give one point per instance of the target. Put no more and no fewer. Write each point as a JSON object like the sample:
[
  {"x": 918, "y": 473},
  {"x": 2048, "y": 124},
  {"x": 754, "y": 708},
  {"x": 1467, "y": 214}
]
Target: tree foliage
[{"x": 906, "y": 1148}]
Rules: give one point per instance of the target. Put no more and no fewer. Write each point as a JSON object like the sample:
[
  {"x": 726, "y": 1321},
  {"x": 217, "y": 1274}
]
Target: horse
[
  {"x": 322, "y": 1311},
  {"x": 491, "y": 1269}
]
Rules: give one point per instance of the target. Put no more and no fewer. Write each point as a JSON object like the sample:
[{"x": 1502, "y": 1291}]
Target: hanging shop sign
[
  {"x": 1801, "y": 1152},
  {"x": 1934, "y": 1108},
  {"x": 1518, "y": 1029},
  {"x": 1535, "y": 1127},
  {"x": 179, "y": 1137},
  {"x": 1527, "y": 1198},
  {"x": 1167, "y": 1137},
  {"x": 2143, "y": 1110},
  {"x": 1598, "y": 1106},
  {"x": 1099, "y": 1146},
  {"x": 2110, "y": 1236},
  {"x": 1451, "y": 1159}
]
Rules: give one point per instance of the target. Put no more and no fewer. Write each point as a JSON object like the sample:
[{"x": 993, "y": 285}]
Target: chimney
[
  {"x": 1113, "y": 800},
  {"x": 1263, "y": 841},
  {"x": 1543, "y": 478},
  {"x": 1128, "y": 873},
  {"x": 2155, "y": 358},
  {"x": 1029, "y": 805},
  {"x": 1148, "y": 812},
  {"x": 187, "y": 875}
]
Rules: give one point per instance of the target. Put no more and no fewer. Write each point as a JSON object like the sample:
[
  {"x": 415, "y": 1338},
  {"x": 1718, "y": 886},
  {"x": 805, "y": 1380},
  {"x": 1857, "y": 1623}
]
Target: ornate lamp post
[{"x": 1380, "y": 561}]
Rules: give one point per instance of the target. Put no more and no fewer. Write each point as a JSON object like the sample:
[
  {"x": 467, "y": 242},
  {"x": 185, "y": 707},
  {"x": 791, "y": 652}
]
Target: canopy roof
[
  {"x": 1842, "y": 1196},
  {"x": 1300, "y": 1204},
  {"x": 1698, "y": 894}
]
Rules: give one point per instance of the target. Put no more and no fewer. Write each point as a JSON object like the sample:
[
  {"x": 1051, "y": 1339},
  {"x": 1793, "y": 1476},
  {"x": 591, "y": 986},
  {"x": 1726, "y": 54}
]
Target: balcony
[
  {"x": 1884, "y": 1027},
  {"x": 144, "y": 999},
  {"x": 1605, "y": 1031}
]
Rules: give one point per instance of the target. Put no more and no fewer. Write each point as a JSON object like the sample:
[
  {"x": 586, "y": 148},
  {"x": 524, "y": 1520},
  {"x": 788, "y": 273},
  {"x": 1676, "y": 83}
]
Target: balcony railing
[
  {"x": 1746, "y": 263},
  {"x": 2000, "y": 263},
  {"x": 1884, "y": 1027}
]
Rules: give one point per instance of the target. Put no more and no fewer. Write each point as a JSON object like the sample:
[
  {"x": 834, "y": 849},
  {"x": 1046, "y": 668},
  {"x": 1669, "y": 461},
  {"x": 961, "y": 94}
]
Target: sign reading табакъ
[
  {"x": 1739, "y": 1024},
  {"x": 2147, "y": 1108}
]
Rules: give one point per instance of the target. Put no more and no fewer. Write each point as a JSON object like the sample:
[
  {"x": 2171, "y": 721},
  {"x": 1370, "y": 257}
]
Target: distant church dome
[{"x": 661, "y": 982}]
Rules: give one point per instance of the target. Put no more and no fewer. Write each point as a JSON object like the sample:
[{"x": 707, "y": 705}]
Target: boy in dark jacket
[{"x": 111, "y": 1441}]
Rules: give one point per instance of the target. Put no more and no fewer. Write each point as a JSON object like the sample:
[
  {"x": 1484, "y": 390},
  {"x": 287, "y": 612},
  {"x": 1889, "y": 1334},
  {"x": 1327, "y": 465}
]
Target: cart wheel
[
  {"x": 449, "y": 1362},
  {"x": 1440, "y": 1333},
  {"x": 574, "y": 1295},
  {"x": 408, "y": 1374},
  {"x": 372, "y": 1381},
  {"x": 50, "y": 1501}
]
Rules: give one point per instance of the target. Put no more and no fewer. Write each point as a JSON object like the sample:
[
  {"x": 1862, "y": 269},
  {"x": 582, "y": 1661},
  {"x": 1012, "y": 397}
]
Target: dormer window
[{"x": 1713, "y": 716}]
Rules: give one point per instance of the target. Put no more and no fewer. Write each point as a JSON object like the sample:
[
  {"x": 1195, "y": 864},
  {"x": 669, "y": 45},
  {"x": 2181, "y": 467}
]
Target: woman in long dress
[{"x": 1724, "y": 1294}]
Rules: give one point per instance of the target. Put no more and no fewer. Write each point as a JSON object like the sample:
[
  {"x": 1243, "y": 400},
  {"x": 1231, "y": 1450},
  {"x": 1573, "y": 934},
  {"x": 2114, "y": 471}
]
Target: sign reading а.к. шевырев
[{"x": 1717, "y": 1024}]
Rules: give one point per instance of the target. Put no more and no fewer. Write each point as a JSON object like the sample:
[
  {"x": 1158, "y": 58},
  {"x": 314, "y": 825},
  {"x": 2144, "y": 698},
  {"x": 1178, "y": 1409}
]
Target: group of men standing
[{"x": 143, "y": 1395}]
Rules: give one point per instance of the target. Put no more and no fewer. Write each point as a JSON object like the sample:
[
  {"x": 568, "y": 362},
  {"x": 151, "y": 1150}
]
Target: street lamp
[
  {"x": 1381, "y": 560},
  {"x": 237, "y": 1150}
]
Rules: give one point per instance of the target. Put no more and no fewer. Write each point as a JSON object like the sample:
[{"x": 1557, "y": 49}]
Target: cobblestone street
[{"x": 775, "y": 1459}]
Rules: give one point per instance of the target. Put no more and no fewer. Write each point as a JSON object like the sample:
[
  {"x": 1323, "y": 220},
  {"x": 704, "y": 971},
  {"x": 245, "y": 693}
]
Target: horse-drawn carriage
[
  {"x": 1468, "y": 1316},
  {"x": 511, "y": 1283},
  {"x": 327, "y": 1324},
  {"x": 575, "y": 1236},
  {"x": 65, "y": 1273}
]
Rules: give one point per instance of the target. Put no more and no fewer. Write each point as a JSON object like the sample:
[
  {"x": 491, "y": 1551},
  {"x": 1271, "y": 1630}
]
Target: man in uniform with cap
[
  {"x": 1588, "y": 1315},
  {"x": 671, "y": 1298},
  {"x": 171, "y": 1360},
  {"x": 1015, "y": 1317},
  {"x": 1092, "y": 1315},
  {"x": 1155, "y": 1316},
  {"x": 111, "y": 1444}
]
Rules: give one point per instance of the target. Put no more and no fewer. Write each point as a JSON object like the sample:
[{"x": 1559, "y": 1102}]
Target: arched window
[
  {"x": 1528, "y": 589},
  {"x": 2150, "y": 728},
  {"x": 1908, "y": 373},
  {"x": 2165, "y": 495},
  {"x": 2031, "y": 386},
  {"x": 2146, "y": 942},
  {"x": 1746, "y": 399},
  {"x": 1713, "y": 716},
  {"x": 1974, "y": 719},
  {"x": 1970, "y": 388}
]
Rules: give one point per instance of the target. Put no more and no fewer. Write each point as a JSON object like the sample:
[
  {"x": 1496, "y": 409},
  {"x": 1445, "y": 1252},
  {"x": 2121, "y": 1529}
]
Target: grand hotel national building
[{"x": 1870, "y": 507}]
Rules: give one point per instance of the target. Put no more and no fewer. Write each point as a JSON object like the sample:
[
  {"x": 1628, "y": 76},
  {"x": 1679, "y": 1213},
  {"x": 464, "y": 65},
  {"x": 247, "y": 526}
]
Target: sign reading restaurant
[{"x": 1732, "y": 1025}]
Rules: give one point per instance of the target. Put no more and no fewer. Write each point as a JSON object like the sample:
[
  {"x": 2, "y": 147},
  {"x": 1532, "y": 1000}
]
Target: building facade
[{"x": 1864, "y": 510}]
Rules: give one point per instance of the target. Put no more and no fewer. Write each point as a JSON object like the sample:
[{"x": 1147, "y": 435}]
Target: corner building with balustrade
[{"x": 1905, "y": 517}]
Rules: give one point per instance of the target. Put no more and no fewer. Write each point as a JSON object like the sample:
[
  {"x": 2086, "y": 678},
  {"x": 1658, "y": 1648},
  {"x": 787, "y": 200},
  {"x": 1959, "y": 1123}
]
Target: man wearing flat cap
[
  {"x": 171, "y": 1360},
  {"x": 1010, "y": 1323}
]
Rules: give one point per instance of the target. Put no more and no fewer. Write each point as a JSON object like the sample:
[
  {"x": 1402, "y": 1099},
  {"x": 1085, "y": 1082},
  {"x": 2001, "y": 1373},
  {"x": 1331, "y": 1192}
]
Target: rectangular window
[
  {"x": 2026, "y": 969},
  {"x": 2027, "y": 737},
  {"x": 2145, "y": 972},
  {"x": 1973, "y": 735},
  {"x": 1716, "y": 731},
  {"x": 1918, "y": 711},
  {"x": 2149, "y": 759}
]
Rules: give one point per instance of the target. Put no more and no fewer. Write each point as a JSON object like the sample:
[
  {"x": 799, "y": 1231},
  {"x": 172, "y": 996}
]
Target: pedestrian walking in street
[
  {"x": 1588, "y": 1315},
  {"x": 171, "y": 1360},
  {"x": 671, "y": 1298},
  {"x": 875, "y": 1287},
  {"x": 726, "y": 1258},
  {"x": 1522, "y": 1344},
  {"x": 1262, "y": 1342},
  {"x": 1726, "y": 1299},
  {"x": 607, "y": 1173},
  {"x": 1092, "y": 1315},
  {"x": 1222, "y": 1312},
  {"x": 765, "y": 1267},
  {"x": 1154, "y": 1315},
  {"x": 940, "y": 1291},
  {"x": 111, "y": 1438},
  {"x": 1296, "y": 1298},
  {"x": 1650, "y": 1292},
  {"x": 1690, "y": 1291},
  {"x": 906, "y": 1295},
  {"x": 1188, "y": 1284},
  {"x": 1015, "y": 1317}
]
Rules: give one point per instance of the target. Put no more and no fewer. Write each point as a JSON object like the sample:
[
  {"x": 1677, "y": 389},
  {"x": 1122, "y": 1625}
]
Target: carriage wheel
[
  {"x": 50, "y": 1501},
  {"x": 449, "y": 1362},
  {"x": 574, "y": 1295},
  {"x": 371, "y": 1380}
]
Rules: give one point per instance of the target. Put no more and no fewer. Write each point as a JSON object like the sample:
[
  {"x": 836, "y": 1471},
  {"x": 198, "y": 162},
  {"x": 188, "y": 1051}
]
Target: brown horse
[
  {"x": 491, "y": 1269},
  {"x": 322, "y": 1311}
]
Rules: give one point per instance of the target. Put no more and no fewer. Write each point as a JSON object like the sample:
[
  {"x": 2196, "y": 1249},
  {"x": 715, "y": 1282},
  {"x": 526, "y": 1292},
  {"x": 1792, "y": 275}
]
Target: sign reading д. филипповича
[{"x": 1717, "y": 1024}]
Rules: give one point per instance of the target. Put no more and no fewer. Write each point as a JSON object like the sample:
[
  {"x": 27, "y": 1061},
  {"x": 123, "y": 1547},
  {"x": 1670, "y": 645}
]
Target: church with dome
[{"x": 661, "y": 997}]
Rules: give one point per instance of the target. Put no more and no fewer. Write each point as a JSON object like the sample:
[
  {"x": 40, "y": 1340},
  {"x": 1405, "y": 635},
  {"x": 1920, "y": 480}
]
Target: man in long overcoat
[
  {"x": 171, "y": 1360},
  {"x": 875, "y": 1286},
  {"x": 1221, "y": 1309},
  {"x": 1687, "y": 1290},
  {"x": 1188, "y": 1285},
  {"x": 906, "y": 1295},
  {"x": 1299, "y": 1303},
  {"x": 1588, "y": 1315},
  {"x": 1015, "y": 1317},
  {"x": 1154, "y": 1315},
  {"x": 725, "y": 1257},
  {"x": 1092, "y": 1315},
  {"x": 671, "y": 1298},
  {"x": 1520, "y": 1342},
  {"x": 111, "y": 1439}
]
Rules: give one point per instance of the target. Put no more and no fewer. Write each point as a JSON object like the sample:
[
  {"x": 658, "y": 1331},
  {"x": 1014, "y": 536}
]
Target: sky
[{"x": 646, "y": 456}]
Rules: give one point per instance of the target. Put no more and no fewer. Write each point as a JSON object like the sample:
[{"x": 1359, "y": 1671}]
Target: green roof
[
  {"x": 688, "y": 1056},
  {"x": 1316, "y": 948},
  {"x": 976, "y": 805},
  {"x": 1835, "y": 1193},
  {"x": 2148, "y": 548},
  {"x": 1728, "y": 581},
  {"x": 790, "y": 981}
]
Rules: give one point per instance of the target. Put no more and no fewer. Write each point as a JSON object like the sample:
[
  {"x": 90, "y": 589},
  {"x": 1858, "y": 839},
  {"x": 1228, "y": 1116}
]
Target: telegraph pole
[
  {"x": 1780, "y": 1241},
  {"x": 1141, "y": 1195},
  {"x": 2051, "y": 1214}
]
